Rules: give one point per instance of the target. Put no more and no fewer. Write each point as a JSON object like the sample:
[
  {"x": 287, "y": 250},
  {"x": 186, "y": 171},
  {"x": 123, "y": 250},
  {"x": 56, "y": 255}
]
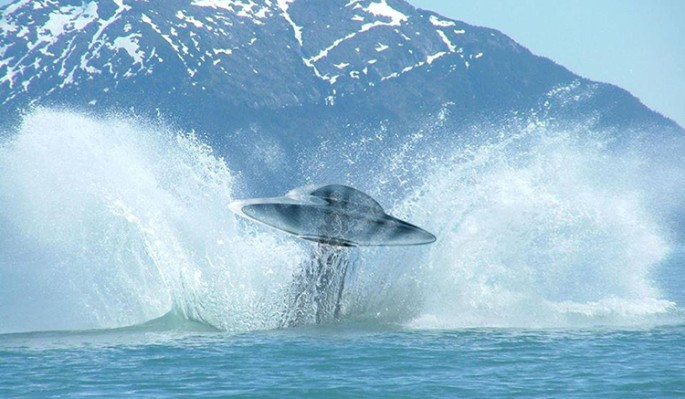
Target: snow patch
[
  {"x": 6, "y": 26},
  {"x": 378, "y": 9},
  {"x": 284, "y": 5},
  {"x": 13, "y": 7},
  {"x": 382, "y": 9},
  {"x": 323, "y": 53},
  {"x": 447, "y": 41},
  {"x": 66, "y": 19},
  {"x": 244, "y": 9},
  {"x": 440, "y": 22},
  {"x": 130, "y": 45},
  {"x": 187, "y": 18},
  {"x": 226, "y": 51},
  {"x": 434, "y": 57}
]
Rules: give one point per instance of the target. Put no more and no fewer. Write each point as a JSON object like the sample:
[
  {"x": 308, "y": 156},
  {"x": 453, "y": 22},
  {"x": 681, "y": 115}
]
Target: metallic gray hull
[{"x": 334, "y": 215}]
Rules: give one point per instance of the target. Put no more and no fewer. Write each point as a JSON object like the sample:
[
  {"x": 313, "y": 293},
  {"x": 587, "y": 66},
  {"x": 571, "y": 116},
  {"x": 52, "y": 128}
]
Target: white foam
[
  {"x": 115, "y": 223},
  {"x": 112, "y": 222},
  {"x": 535, "y": 229}
]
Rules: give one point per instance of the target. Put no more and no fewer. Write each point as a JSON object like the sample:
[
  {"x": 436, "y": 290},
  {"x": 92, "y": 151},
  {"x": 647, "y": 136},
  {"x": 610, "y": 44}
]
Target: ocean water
[
  {"x": 348, "y": 360},
  {"x": 558, "y": 270}
]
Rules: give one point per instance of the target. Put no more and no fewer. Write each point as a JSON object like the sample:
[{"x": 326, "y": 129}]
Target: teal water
[{"x": 347, "y": 361}]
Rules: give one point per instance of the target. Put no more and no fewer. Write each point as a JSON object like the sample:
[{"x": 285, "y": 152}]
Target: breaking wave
[
  {"x": 113, "y": 222},
  {"x": 535, "y": 229}
]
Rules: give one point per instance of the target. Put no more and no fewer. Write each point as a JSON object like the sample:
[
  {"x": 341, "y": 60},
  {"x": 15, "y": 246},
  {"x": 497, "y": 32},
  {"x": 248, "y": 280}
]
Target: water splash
[
  {"x": 113, "y": 222},
  {"x": 537, "y": 228},
  {"x": 107, "y": 223},
  {"x": 316, "y": 294}
]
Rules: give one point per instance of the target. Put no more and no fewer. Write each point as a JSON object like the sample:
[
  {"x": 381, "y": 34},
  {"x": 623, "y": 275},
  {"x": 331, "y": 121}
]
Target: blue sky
[{"x": 638, "y": 45}]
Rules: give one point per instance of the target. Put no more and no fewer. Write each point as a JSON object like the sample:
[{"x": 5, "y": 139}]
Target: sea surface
[
  {"x": 558, "y": 270},
  {"x": 347, "y": 360}
]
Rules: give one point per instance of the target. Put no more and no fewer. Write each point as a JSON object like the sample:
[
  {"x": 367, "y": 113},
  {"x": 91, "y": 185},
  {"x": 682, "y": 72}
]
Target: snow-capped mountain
[
  {"x": 286, "y": 71},
  {"x": 261, "y": 54},
  {"x": 254, "y": 53}
]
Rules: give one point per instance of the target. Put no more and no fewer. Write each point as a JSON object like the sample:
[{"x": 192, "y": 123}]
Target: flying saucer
[{"x": 332, "y": 214}]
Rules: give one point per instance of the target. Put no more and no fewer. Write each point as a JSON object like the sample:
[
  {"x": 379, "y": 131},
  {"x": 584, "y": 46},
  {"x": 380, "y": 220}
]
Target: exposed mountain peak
[
  {"x": 346, "y": 45},
  {"x": 384, "y": 58},
  {"x": 187, "y": 42}
]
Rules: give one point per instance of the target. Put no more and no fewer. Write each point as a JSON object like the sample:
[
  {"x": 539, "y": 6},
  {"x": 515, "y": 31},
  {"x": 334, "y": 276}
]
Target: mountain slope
[
  {"x": 261, "y": 54},
  {"x": 295, "y": 74}
]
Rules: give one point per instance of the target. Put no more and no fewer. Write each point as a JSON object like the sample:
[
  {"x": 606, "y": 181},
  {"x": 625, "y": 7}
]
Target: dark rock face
[{"x": 290, "y": 72}]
